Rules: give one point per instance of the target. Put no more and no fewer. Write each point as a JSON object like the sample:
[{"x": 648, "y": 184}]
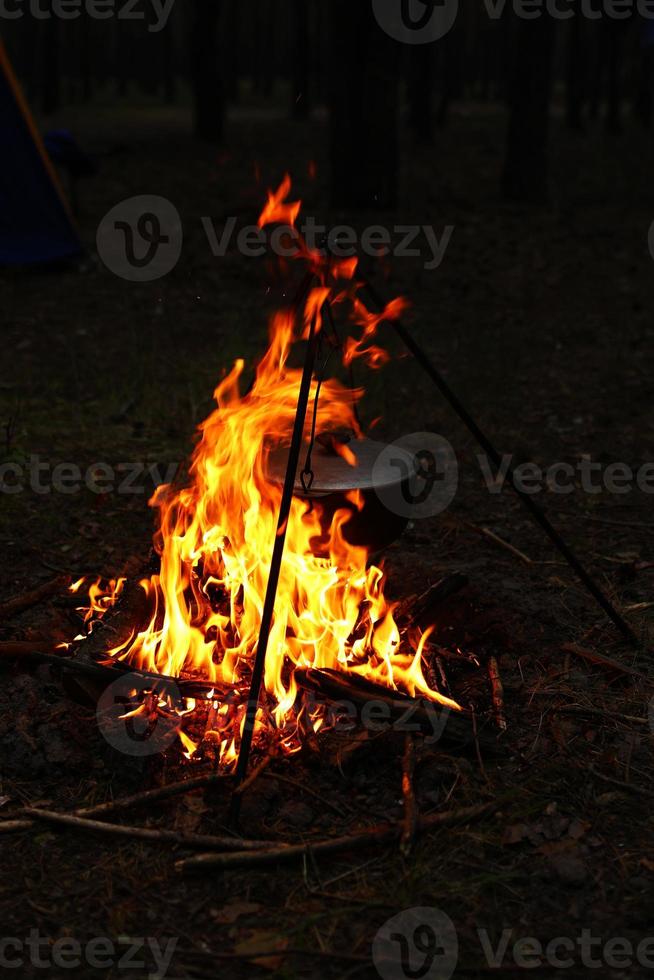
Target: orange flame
[{"x": 216, "y": 535}]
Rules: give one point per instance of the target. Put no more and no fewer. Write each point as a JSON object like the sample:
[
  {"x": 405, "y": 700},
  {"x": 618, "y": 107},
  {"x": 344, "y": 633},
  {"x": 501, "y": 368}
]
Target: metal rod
[
  {"x": 275, "y": 569},
  {"x": 535, "y": 510}
]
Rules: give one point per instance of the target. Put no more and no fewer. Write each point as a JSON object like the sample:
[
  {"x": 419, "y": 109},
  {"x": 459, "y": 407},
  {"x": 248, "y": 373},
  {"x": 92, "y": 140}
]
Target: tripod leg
[
  {"x": 534, "y": 509},
  {"x": 275, "y": 568}
]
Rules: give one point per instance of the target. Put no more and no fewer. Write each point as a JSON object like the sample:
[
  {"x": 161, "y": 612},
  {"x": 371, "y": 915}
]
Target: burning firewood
[
  {"x": 457, "y": 731},
  {"x": 422, "y": 609},
  {"x": 261, "y": 585}
]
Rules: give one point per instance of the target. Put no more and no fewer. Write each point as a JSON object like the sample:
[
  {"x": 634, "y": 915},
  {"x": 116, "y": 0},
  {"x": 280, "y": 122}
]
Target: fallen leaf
[
  {"x": 230, "y": 913},
  {"x": 570, "y": 869},
  {"x": 262, "y": 941},
  {"x": 578, "y": 828},
  {"x": 610, "y": 797},
  {"x": 515, "y": 834}
]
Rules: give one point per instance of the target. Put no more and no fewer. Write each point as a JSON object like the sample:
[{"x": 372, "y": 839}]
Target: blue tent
[{"x": 35, "y": 223}]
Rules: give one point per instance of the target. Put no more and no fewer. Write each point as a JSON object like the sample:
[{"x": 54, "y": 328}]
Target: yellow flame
[{"x": 215, "y": 539}]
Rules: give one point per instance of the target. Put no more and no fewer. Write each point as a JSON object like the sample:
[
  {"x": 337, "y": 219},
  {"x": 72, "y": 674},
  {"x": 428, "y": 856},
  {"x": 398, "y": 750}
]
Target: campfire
[{"x": 216, "y": 534}]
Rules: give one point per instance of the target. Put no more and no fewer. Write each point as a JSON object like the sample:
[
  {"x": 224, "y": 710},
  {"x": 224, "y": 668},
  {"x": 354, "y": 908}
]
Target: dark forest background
[{"x": 217, "y": 54}]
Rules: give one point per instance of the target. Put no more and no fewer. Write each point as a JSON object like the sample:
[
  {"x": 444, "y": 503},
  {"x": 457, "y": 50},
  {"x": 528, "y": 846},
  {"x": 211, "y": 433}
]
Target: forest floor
[{"x": 541, "y": 321}]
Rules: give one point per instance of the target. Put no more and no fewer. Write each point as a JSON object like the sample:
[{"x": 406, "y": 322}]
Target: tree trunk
[
  {"x": 206, "y": 69},
  {"x": 85, "y": 67},
  {"x": 122, "y": 57},
  {"x": 575, "y": 72},
  {"x": 614, "y": 34},
  {"x": 51, "y": 79},
  {"x": 168, "y": 64},
  {"x": 364, "y": 109},
  {"x": 421, "y": 91},
  {"x": 265, "y": 34},
  {"x": 232, "y": 49},
  {"x": 300, "y": 102},
  {"x": 525, "y": 175}
]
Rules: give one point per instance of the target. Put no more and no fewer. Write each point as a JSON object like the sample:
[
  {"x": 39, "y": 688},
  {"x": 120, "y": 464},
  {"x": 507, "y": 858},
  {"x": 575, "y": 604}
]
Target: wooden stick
[
  {"x": 497, "y": 690},
  {"x": 442, "y": 673},
  {"x": 107, "y": 673},
  {"x": 181, "y": 955},
  {"x": 578, "y": 709},
  {"x": 27, "y": 599},
  {"x": 606, "y": 520},
  {"x": 25, "y": 648},
  {"x": 334, "y": 685},
  {"x": 289, "y": 852},
  {"x": 147, "y": 833},
  {"x": 254, "y": 775},
  {"x": 425, "y": 605},
  {"x": 305, "y": 788},
  {"x": 9, "y": 826},
  {"x": 148, "y": 795},
  {"x": 487, "y": 533},
  {"x": 631, "y": 787},
  {"x": 136, "y": 799},
  {"x": 600, "y": 660},
  {"x": 410, "y": 824},
  {"x": 254, "y": 955}
]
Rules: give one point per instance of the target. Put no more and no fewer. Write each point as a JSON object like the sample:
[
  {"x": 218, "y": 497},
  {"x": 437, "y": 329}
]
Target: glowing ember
[{"x": 216, "y": 535}]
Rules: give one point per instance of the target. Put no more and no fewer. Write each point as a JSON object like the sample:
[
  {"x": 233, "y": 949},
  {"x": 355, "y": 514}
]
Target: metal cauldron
[{"x": 374, "y": 526}]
